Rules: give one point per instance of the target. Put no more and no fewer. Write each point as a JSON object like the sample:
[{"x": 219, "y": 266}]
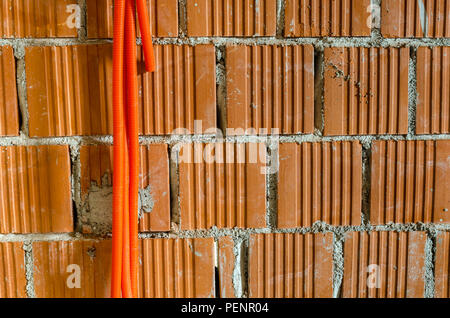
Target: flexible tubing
[
  {"x": 126, "y": 279},
  {"x": 118, "y": 134},
  {"x": 146, "y": 36},
  {"x": 133, "y": 138}
]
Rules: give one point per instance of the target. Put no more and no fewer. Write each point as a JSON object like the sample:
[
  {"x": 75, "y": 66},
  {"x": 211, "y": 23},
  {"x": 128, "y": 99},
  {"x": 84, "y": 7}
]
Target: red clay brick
[
  {"x": 291, "y": 265},
  {"x": 231, "y": 18},
  {"x": 38, "y": 18},
  {"x": 366, "y": 91},
  {"x": 12, "y": 270},
  {"x": 397, "y": 260},
  {"x": 56, "y": 265},
  {"x": 322, "y": 18},
  {"x": 270, "y": 87},
  {"x": 163, "y": 17},
  {"x": 168, "y": 268},
  {"x": 96, "y": 167},
  {"x": 442, "y": 269},
  {"x": 35, "y": 189},
  {"x": 70, "y": 90},
  {"x": 226, "y": 192},
  {"x": 411, "y": 18},
  {"x": 410, "y": 182},
  {"x": 9, "y": 115},
  {"x": 433, "y": 82},
  {"x": 179, "y": 268},
  {"x": 227, "y": 262},
  {"x": 319, "y": 182}
]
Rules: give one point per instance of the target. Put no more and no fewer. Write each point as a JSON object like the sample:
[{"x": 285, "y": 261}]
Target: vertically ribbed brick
[
  {"x": 72, "y": 269},
  {"x": 409, "y": 181},
  {"x": 291, "y": 265},
  {"x": 9, "y": 115},
  {"x": 384, "y": 265},
  {"x": 177, "y": 268},
  {"x": 223, "y": 185},
  {"x": 231, "y": 18},
  {"x": 322, "y": 18},
  {"x": 163, "y": 17},
  {"x": 69, "y": 90},
  {"x": 97, "y": 168},
  {"x": 366, "y": 91},
  {"x": 39, "y": 18},
  {"x": 319, "y": 182},
  {"x": 442, "y": 267},
  {"x": 167, "y": 268},
  {"x": 270, "y": 87},
  {"x": 433, "y": 93},
  {"x": 12, "y": 270},
  {"x": 415, "y": 18},
  {"x": 35, "y": 190}
]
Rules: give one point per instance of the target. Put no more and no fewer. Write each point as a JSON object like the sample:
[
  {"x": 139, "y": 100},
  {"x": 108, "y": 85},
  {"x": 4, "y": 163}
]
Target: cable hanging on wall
[{"x": 126, "y": 142}]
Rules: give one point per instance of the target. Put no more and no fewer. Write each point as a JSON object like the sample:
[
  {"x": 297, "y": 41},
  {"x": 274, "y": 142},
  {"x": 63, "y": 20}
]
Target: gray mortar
[
  {"x": 281, "y": 4},
  {"x": 430, "y": 250},
  {"x": 29, "y": 269},
  {"x": 96, "y": 207},
  {"x": 319, "y": 117},
  {"x": 272, "y": 186},
  {"x": 338, "y": 262},
  {"x": 412, "y": 92},
  {"x": 221, "y": 87},
  {"x": 239, "y": 273},
  {"x": 182, "y": 19},
  {"x": 97, "y": 211},
  {"x": 174, "y": 189},
  {"x": 240, "y": 236},
  {"x": 146, "y": 201},
  {"x": 82, "y": 31}
]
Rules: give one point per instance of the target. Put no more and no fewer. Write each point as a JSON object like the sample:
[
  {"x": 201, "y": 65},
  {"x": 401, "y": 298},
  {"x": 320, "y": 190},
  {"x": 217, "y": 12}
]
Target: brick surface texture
[{"x": 295, "y": 149}]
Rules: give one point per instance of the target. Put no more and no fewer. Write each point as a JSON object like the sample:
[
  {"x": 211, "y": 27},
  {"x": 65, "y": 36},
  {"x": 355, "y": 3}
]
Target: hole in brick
[
  {"x": 217, "y": 282},
  {"x": 318, "y": 90}
]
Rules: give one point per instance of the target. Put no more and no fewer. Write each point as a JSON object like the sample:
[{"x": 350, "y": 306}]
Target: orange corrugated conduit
[{"x": 126, "y": 142}]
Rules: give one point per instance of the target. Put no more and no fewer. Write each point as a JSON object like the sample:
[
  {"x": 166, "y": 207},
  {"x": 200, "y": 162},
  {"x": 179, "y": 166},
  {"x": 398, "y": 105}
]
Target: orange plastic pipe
[
  {"x": 118, "y": 147},
  {"x": 133, "y": 138},
  {"x": 146, "y": 36},
  {"x": 126, "y": 278},
  {"x": 126, "y": 142}
]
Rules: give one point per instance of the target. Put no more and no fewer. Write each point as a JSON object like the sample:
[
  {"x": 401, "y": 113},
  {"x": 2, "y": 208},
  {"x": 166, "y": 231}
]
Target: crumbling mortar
[
  {"x": 271, "y": 185},
  {"x": 338, "y": 262},
  {"x": 430, "y": 258},
  {"x": 175, "y": 188},
  {"x": 221, "y": 87},
  {"x": 21, "y": 86},
  {"x": 182, "y": 19},
  {"x": 82, "y": 30},
  {"x": 376, "y": 36},
  {"x": 29, "y": 269},
  {"x": 76, "y": 183},
  {"x": 412, "y": 92},
  {"x": 281, "y": 5},
  {"x": 240, "y": 268},
  {"x": 366, "y": 181}
]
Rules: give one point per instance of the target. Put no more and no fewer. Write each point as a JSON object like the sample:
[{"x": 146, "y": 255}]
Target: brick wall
[{"x": 350, "y": 200}]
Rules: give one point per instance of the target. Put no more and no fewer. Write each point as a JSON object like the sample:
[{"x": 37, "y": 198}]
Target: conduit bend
[{"x": 126, "y": 142}]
